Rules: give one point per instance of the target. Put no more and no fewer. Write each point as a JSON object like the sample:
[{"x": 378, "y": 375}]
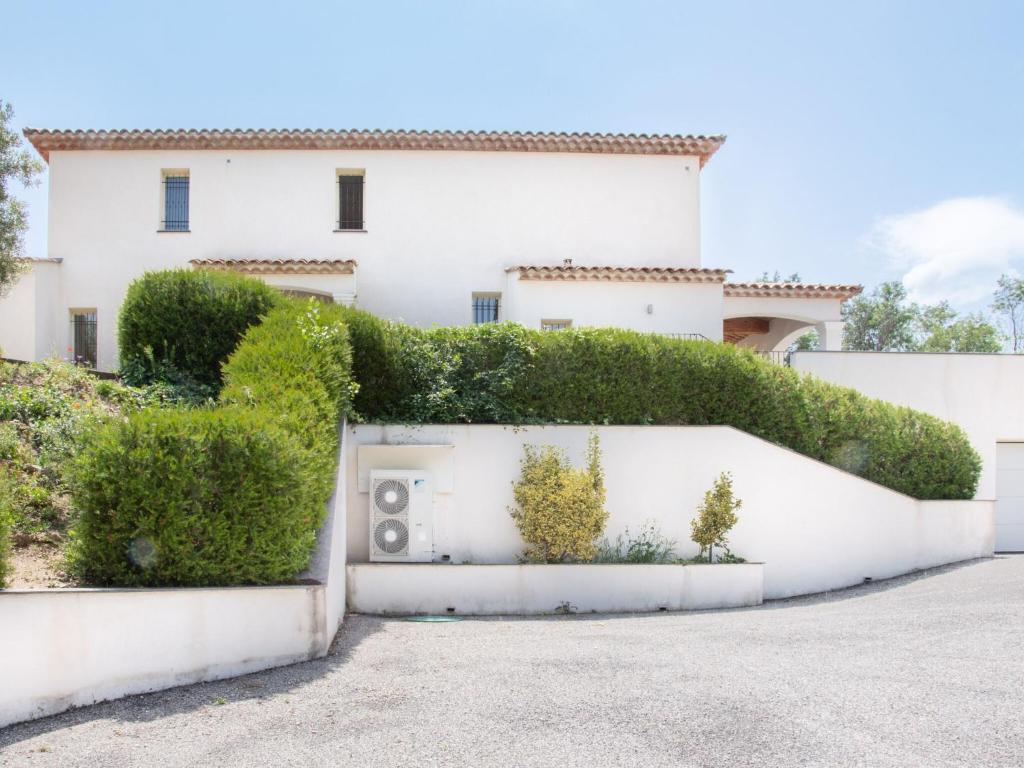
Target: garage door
[{"x": 1010, "y": 497}]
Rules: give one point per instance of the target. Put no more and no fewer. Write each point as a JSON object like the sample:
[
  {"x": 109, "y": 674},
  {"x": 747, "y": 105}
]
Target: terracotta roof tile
[
  {"x": 791, "y": 290},
  {"x": 622, "y": 274},
  {"x": 279, "y": 266},
  {"x": 46, "y": 141}
]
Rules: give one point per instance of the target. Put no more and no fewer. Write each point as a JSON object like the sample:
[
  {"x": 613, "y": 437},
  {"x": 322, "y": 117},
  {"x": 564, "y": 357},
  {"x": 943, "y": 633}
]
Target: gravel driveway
[{"x": 925, "y": 670}]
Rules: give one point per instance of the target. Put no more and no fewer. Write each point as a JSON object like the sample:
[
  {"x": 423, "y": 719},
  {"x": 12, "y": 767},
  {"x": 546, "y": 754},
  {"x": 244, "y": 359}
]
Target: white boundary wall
[
  {"x": 66, "y": 648},
  {"x": 392, "y": 588},
  {"x": 981, "y": 393},
  {"x": 813, "y": 526},
  {"x": 63, "y": 648}
]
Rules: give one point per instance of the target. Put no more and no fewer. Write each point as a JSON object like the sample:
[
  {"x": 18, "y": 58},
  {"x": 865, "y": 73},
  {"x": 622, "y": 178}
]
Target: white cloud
[{"x": 954, "y": 250}]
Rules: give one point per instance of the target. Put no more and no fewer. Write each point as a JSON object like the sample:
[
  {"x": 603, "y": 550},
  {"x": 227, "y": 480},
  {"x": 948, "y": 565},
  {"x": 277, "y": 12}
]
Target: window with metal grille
[
  {"x": 350, "y": 202},
  {"x": 555, "y": 325},
  {"x": 83, "y": 337},
  {"x": 485, "y": 307},
  {"x": 175, "y": 202}
]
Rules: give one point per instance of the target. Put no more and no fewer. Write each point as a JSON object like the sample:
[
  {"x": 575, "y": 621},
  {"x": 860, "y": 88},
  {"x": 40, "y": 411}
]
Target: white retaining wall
[
  {"x": 70, "y": 647},
  {"x": 62, "y": 648},
  {"x": 327, "y": 565},
  {"x": 813, "y": 526},
  {"x": 981, "y": 393},
  {"x": 391, "y": 588}
]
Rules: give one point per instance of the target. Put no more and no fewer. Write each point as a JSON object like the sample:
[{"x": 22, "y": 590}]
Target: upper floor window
[
  {"x": 485, "y": 307},
  {"x": 83, "y": 337},
  {"x": 175, "y": 201},
  {"x": 555, "y": 325},
  {"x": 350, "y": 199}
]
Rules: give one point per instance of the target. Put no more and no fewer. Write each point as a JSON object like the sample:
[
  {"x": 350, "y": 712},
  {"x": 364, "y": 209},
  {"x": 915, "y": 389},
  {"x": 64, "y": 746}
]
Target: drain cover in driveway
[{"x": 433, "y": 618}]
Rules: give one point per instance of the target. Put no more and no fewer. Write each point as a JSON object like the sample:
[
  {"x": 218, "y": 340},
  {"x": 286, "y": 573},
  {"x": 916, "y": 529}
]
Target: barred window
[
  {"x": 175, "y": 201},
  {"x": 555, "y": 325},
  {"x": 486, "y": 307},
  {"x": 83, "y": 337},
  {"x": 350, "y": 201}
]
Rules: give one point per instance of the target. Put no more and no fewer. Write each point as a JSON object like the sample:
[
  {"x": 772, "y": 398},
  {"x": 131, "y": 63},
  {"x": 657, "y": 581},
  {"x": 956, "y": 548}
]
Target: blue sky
[{"x": 867, "y": 141}]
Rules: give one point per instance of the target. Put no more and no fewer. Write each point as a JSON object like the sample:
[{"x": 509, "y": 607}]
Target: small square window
[
  {"x": 555, "y": 325},
  {"x": 83, "y": 337},
  {"x": 175, "y": 200},
  {"x": 486, "y": 307},
  {"x": 350, "y": 199}
]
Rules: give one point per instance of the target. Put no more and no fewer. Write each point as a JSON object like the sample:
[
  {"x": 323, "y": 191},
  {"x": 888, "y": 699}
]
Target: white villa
[{"x": 548, "y": 230}]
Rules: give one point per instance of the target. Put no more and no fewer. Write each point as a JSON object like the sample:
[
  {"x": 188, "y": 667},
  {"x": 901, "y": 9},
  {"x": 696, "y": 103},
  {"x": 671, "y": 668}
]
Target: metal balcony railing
[{"x": 687, "y": 336}]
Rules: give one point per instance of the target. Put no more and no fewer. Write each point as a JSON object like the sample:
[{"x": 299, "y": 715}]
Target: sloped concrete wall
[{"x": 814, "y": 527}]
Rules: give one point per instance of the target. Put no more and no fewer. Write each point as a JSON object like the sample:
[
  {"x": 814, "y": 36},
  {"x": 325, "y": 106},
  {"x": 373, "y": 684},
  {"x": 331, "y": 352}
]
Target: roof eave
[{"x": 702, "y": 147}]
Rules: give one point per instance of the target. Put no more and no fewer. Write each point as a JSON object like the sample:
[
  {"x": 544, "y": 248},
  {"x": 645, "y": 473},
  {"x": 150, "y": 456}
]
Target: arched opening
[{"x": 764, "y": 334}]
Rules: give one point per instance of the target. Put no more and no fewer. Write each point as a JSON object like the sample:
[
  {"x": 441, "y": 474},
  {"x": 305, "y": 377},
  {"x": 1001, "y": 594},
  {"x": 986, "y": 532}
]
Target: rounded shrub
[
  {"x": 199, "y": 497},
  {"x": 560, "y": 509},
  {"x": 180, "y": 325},
  {"x": 228, "y": 495}
]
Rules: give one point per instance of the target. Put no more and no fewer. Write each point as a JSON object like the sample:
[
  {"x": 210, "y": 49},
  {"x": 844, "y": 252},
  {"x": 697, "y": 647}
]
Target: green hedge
[
  {"x": 180, "y": 325},
  {"x": 6, "y": 524},
  {"x": 503, "y": 373},
  {"x": 227, "y": 495}
]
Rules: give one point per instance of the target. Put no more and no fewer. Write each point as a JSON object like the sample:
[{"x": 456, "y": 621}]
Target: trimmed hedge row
[
  {"x": 179, "y": 325},
  {"x": 227, "y": 495},
  {"x": 504, "y": 373}
]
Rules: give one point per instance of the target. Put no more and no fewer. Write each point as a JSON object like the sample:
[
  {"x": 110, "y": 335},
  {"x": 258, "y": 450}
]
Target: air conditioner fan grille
[
  {"x": 391, "y": 537},
  {"x": 391, "y": 497}
]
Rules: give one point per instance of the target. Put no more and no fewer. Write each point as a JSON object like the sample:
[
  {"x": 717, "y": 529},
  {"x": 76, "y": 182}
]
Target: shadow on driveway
[
  {"x": 294, "y": 678},
  {"x": 263, "y": 684}
]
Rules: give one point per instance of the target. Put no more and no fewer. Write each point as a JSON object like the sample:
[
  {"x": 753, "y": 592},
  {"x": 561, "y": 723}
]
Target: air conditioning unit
[{"x": 401, "y": 516}]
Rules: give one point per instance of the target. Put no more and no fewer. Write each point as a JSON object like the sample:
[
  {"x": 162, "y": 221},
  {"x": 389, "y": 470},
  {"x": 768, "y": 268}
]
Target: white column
[{"x": 830, "y": 335}]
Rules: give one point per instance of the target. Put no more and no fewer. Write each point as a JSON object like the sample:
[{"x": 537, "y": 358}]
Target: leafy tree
[
  {"x": 806, "y": 343},
  {"x": 882, "y": 321},
  {"x": 943, "y": 331},
  {"x": 715, "y": 517},
  {"x": 777, "y": 278},
  {"x": 15, "y": 163},
  {"x": 1008, "y": 304}
]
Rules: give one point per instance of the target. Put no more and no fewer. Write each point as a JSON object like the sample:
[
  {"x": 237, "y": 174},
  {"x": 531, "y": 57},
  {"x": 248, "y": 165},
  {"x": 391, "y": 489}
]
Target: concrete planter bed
[{"x": 406, "y": 589}]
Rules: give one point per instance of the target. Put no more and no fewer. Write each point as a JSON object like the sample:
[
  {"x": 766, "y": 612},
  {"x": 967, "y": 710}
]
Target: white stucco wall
[
  {"x": 440, "y": 225},
  {"x": 30, "y": 329},
  {"x": 67, "y": 648},
  {"x": 338, "y": 288},
  {"x": 981, "y": 393},
  {"x": 327, "y": 565},
  {"x": 17, "y": 313},
  {"x": 675, "y": 307},
  {"x": 806, "y": 310},
  {"x": 814, "y": 527},
  {"x": 396, "y": 588}
]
